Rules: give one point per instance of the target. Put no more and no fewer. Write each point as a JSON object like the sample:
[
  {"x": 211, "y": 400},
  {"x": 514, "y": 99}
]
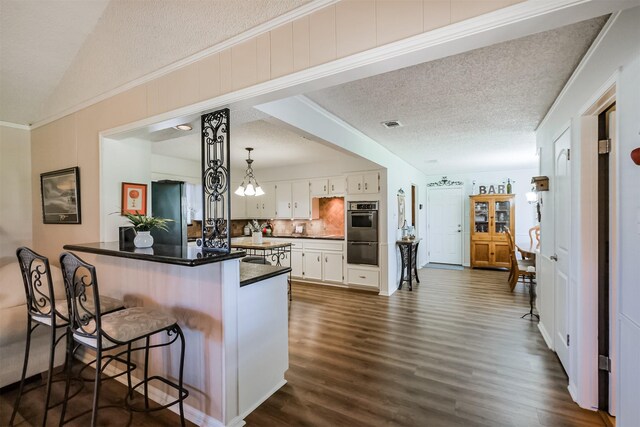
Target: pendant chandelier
[{"x": 249, "y": 186}]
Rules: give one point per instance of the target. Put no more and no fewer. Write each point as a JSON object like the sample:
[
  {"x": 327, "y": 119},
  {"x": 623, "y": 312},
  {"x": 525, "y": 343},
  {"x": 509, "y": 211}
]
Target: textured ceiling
[
  {"x": 471, "y": 112},
  {"x": 38, "y": 41},
  {"x": 56, "y": 54},
  {"x": 275, "y": 145}
]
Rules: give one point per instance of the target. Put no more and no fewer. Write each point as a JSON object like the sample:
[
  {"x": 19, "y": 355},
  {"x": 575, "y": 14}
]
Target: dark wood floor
[{"x": 454, "y": 352}]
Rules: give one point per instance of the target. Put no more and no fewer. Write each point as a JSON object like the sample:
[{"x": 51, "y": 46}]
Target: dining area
[{"x": 522, "y": 257}]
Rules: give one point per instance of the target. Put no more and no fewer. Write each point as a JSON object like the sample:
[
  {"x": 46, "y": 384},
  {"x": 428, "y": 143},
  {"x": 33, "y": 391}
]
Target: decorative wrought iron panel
[{"x": 215, "y": 181}]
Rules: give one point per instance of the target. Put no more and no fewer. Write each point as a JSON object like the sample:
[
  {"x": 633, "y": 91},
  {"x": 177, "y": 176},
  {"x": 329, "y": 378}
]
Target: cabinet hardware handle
[
  {"x": 359, "y": 186},
  {"x": 326, "y": 259},
  {"x": 295, "y": 204},
  {"x": 362, "y": 277},
  {"x": 553, "y": 257},
  {"x": 366, "y": 185},
  {"x": 332, "y": 187},
  {"x": 318, "y": 258},
  {"x": 289, "y": 205},
  {"x": 325, "y": 188}
]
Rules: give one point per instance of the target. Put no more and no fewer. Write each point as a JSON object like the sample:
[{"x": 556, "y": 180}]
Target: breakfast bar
[{"x": 233, "y": 315}]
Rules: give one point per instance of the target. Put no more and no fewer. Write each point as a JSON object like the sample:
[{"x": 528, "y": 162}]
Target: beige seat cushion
[{"x": 128, "y": 325}]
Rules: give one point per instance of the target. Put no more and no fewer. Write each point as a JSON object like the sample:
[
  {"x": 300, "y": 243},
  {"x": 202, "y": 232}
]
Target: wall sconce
[{"x": 635, "y": 156}]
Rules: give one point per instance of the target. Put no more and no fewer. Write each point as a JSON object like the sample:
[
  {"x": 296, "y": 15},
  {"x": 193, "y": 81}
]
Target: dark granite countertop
[
  {"x": 252, "y": 273},
  {"x": 167, "y": 254},
  {"x": 298, "y": 236}
]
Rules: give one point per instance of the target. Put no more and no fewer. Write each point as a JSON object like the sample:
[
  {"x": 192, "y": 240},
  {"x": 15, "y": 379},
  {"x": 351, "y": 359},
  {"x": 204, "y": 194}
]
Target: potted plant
[{"x": 143, "y": 225}]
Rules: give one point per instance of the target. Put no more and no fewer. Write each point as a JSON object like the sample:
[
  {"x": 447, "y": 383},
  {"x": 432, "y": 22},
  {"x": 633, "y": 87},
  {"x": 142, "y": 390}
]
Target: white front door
[
  {"x": 444, "y": 225},
  {"x": 562, "y": 226}
]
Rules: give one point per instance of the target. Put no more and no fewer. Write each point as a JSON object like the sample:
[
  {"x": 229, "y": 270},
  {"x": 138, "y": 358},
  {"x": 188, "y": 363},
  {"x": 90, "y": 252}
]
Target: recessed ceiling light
[
  {"x": 391, "y": 124},
  {"x": 183, "y": 127}
]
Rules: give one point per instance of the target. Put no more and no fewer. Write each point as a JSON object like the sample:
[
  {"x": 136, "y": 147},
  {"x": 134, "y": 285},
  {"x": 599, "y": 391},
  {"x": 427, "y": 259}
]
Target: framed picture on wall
[
  {"x": 134, "y": 198},
  {"x": 61, "y": 196}
]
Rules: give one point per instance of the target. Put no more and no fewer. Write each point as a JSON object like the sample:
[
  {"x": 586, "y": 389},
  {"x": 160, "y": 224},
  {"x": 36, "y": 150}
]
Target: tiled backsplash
[{"x": 330, "y": 222}]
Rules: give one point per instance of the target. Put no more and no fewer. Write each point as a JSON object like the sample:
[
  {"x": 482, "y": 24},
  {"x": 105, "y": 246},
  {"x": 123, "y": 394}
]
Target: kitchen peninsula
[{"x": 233, "y": 315}]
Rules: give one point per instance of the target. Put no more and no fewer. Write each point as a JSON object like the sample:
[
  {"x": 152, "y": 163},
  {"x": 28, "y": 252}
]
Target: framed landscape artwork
[
  {"x": 61, "y": 196},
  {"x": 134, "y": 198}
]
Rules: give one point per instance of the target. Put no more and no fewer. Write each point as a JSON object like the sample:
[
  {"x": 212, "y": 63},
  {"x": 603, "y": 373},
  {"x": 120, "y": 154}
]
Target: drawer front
[
  {"x": 362, "y": 277},
  {"x": 316, "y": 245}
]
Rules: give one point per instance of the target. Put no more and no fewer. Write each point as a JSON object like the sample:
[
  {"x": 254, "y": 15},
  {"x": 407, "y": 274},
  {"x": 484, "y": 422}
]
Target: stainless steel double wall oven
[{"x": 362, "y": 233}]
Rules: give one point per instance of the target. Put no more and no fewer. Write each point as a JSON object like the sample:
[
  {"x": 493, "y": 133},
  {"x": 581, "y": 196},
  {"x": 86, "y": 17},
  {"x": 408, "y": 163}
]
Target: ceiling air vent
[{"x": 392, "y": 124}]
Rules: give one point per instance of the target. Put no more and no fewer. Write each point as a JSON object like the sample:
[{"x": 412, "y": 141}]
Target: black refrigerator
[{"x": 169, "y": 200}]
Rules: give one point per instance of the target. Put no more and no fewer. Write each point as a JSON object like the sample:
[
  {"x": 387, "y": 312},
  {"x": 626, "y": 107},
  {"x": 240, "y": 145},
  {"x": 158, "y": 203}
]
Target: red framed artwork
[{"x": 134, "y": 198}]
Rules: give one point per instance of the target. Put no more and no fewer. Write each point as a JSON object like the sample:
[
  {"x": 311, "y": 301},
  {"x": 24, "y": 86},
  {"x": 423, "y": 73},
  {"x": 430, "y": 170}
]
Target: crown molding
[
  {"x": 15, "y": 125},
  {"x": 290, "y": 16},
  {"x": 465, "y": 35}
]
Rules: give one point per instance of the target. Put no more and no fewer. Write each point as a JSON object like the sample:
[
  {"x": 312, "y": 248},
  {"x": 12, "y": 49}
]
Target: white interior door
[
  {"x": 444, "y": 225},
  {"x": 562, "y": 226}
]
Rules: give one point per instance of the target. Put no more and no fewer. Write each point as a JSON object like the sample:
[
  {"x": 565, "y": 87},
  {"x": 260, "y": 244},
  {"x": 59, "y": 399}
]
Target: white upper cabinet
[
  {"x": 301, "y": 199},
  {"x": 253, "y": 206},
  {"x": 365, "y": 183},
  {"x": 370, "y": 182},
  {"x": 354, "y": 184},
  {"x": 284, "y": 203},
  {"x": 269, "y": 200},
  {"x": 263, "y": 207},
  {"x": 319, "y": 187},
  {"x": 337, "y": 185}
]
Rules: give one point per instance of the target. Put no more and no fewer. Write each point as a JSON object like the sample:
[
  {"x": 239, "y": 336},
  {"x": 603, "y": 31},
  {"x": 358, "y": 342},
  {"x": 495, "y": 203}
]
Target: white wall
[
  {"x": 173, "y": 168},
  {"x": 15, "y": 191},
  {"x": 628, "y": 108},
  {"x": 617, "y": 49},
  {"x": 128, "y": 160},
  {"x": 525, "y": 212}
]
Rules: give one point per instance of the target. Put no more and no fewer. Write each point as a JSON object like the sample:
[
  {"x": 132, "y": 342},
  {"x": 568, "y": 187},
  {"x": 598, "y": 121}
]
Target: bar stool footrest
[{"x": 183, "y": 394}]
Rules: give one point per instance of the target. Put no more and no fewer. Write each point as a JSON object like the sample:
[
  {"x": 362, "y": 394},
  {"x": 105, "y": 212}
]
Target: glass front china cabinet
[{"x": 491, "y": 216}]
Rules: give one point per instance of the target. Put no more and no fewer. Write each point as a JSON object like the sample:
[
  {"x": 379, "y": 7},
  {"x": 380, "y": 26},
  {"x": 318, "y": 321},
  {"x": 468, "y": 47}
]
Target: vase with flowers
[{"x": 143, "y": 225}]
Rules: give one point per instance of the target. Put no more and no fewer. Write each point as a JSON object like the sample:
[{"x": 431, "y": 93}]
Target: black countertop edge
[
  {"x": 337, "y": 238},
  {"x": 165, "y": 254},
  {"x": 253, "y": 273}
]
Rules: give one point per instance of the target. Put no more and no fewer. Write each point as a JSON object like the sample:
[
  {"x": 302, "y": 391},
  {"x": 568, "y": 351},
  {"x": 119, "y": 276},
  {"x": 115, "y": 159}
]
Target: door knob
[{"x": 553, "y": 257}]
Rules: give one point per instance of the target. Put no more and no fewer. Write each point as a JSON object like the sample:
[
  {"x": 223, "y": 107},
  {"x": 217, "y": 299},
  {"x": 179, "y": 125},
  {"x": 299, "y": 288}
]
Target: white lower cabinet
[
  {"x": 317, "y": 260},
  {"x": 297, "y": 266},
  {"x": 312, "y": 265},
  {"x": 363, "y": 277},
  {"x": 332, "y": 267}
]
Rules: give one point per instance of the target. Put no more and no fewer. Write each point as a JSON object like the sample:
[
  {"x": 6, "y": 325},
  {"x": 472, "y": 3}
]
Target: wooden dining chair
[
  {"x": 519, "y": 268},
  {"x": 534, "y": 232}
]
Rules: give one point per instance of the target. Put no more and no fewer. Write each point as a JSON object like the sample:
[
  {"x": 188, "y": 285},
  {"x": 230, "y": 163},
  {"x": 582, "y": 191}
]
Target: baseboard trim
[
  {"x": 262, "y": 399},
  {"x": 545, "y": 335}
]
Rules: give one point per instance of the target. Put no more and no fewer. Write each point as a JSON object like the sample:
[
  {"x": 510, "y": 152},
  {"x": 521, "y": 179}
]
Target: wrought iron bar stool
[
  {"x": 44, "y": 308},
  {"x": 103, "y": 332}
]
